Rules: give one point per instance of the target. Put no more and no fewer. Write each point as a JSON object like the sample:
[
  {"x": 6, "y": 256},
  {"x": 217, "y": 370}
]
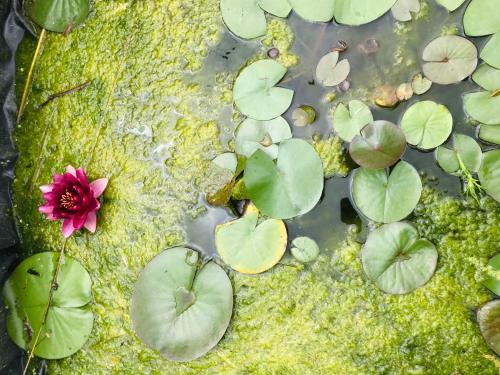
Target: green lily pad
[
  {"x": 57, "y": 15},
  {"x": 253, "y": 135},
  {"x": 464, "y": 147},
  {"x": 483, "y": 107},
  {"x": 314, "y": 10},
  {"x": 289, "y": 188},
  {"x": 386, "y": 197},
  {"x": 493, "y": 283},
  {"x": 304, "y": 249},
  {"x": 420, "y": 84},
  {"x": 227, "y": 160},
  {"x": 254, "y": 92},
  {"x": 348, "y": 121},
  {"x": 379, "y": 145},
  {"x": 330, "y": 72},
  {"x": 249, "y": 247},
  {"x": 303, "y": 116},
  {"x": 487, "y": 77},
  {"x": 360, "y": 12},
  {"x": 179, "y": 306},
  {"x": 427, "y": 124},
  {"x": 489, "y": 173},
  {"x": 451, "y": 5},
  {"x": 490, "y": 134},
  {"x": 449, "y": 59},
  {"x": 489, "y": 323},
  {"x": 403, "y": 9},
  {"x": 491, "y": 51},
  {"x": 69, "y": 320},
  {"x": 396, "y": 260},
  {"x": 481, "y": 17}
]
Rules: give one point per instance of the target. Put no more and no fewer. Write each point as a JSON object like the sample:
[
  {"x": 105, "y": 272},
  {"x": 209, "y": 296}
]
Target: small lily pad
[
  {"x": 249, "y": 247},
  {"x": 289, "y": 188},
  {"x": 314, "y": 10},
  {"x": 227, "y": 160},
  {"x": 491, "y": 51},
  {"x": 487, "y": 77},
  {"x": 404, "y": 92},
  {"x": 386, "y": 96},
  {"x": 181, "y": 307},
  {"x": 490, "y": 134},
  {"x": 385, "y": 196},
  {"x": 451, "y": 5},
  {"x": 427, "y": 124},
  {"x": 57, "y": 15},
  {"x": 303, "y": 116},
  {"x": 396, "y": 260},
  {"x": 464, "y": 147},
  {"x": 360, "y": 12},
  {"x": 488, "y": 317},
  {"x": 403, "y": 9},
  {"x": 489, "y": 173},
  {"x": 330, "y": 72},
  {"x": 253, "y": 135},
  {"x": 304, "y": 249},
  {"x": 483, "y": 107},
  {"x": 481, "y": 17},
  {"x": 348, "y": 121},
  {"x": 493, "y": 283},
  {"x": 449, "y": 59},
  {"x": 420, "y": 84},
  {"x": 254, "y": 92},
  {"x": 379, "y": 145}
]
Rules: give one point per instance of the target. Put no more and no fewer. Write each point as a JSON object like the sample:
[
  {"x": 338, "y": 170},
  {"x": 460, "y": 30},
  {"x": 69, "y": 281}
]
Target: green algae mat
[{"x": 257, "y": 187}]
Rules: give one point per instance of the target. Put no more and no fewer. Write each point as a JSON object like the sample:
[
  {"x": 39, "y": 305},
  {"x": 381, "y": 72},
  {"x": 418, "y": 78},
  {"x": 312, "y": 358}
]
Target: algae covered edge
[{"x": 145, "y": 124}]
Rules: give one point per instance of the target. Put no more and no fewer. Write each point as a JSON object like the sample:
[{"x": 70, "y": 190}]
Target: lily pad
[
  {"x": 491, "y": 51},
  {"x": 481, "y": 17},
  {"x": 490, "y": 134},
  {"x": 57, "y": 15},
  {"x": 303, "y": 116},
  {"x": 396, "y": 260},
  {"x": 403, "y": 9},
  {"x": 314, "y": 10},
  {"x": 253, "y": 135},
  {"x": 379, "y": 145},
  {"x": 69, "y": 320},
  {"x": 384, "y": 196},
  {"x": 330, "y": 72},
  {"x": 292, "y": 186},
  {"x": 179, "y": 306},
  {"x": 304, "y": 249},
  {"x": 483, "y": 107},
  {"x": 464, "y": 147},
  {"x": 360, "y": 12},
  {"x": 451, "y": 5},
  {"x": 254, "y": 92},
  {"x": 487, "y": 77},
  {"x": 348, "y": 121},
  {"x": 449, "y": 59},
  {"x": 427, "y": 124},
  {"x": 249, "y": 247},
  {"x": 489, "y": 323},
  {"x": 493, "y": 283},
  {"x": 227, "y": 160},
  {"x": 489, "y": 173},
  {"x": 420, "y": 84}
]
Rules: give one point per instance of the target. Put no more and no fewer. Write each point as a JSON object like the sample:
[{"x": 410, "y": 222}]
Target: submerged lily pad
[
  {"x": 179, "y": 306},
  {"x": 314, "y": 10},
  {"x": 360, "y": 12},
  {"x": 451, "y": 5},
  {"x": 57, "y": 15},
  {"x": 385, "y": 196},
  {"x": 489, "y": 323},
  {"x": 249, "y": 247},
  {"x": 254, "y": 92},
  {"x": 304, "y": 249},
  {"x": 490, "y": 134},
  {"x": 330, "y": 72},
  {"x": 69, "y": 319},
  {"x": 483, "y": 107},
  {"x": 253, "y": 135},
  {"x": 396, "y": 260},
  {"x": 292, "y": 186},
  {"x": 449, "y": 59},
  {"x": 427, "y": 124},
  {"x": 489, "y": 173},
  {"x": 487, "y": 77},
  {"x": 348, "y": 121},
  {"x": 420, "y": 84},
  {"x": 403, "y": 9},
  {"x": 481, "y": 17},
  {"x": 493, "y": 283},
  {"x": 491, "y": 51},
  {"x": 379, "y": 145},
  {"x": 464, "y": 147}
]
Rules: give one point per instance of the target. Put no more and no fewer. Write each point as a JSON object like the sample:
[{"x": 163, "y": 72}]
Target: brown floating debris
[
  {"x": 342, "y": 46},
  {"x": 385, "y": 96},
  {"x": 65, "y": 92},
  {"x": 369, "y": 47}
]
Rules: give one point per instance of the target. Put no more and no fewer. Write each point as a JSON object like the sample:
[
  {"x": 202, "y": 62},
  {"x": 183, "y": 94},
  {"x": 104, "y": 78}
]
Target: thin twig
[
  {"x": 495, "y": 93},
  {"x": 65, "y": 92}
]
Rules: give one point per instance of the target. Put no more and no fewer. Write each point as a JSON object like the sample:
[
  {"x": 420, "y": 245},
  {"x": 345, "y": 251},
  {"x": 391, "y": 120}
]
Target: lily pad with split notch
[
  {"x": 451, "y": 5},
  {"x": 488, "y": 317},
  {"x": 397, "y": 260},
  {"x": 403, "y": 9},
  {"x": 349, "y": 120},
  {"x": 360, "y": 12},
  {"x": 489, "y": 173},
  {"x": 483, "y": 107},
  {"x": 57, "y": 15},
  {"x": 386, "y": 196},
  {"x": 493, "y": 283},
  {"x": 180, "y": 306},
  {"x": 487, "y": 77},
  {"x": 304, "y": 249},
  {"x": 420, "y": 84},
  {"x": 481, "y": 17},
  {"x": 314, "y": 10},
  {"x": 379, "y": 145},
  {"x": 465, "y": 148},
  {"x": 491, "y": 51},
  {"x": 330, "y": 72},
  {"x": 248, "y": 246}
]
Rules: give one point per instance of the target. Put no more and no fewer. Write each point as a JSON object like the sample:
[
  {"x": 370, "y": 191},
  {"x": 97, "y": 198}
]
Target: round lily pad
[
  {"x": 491, "y": 51},
  {"x": 253, "y": 135},
  {"x": 403, "y": 9},
  {"x": 493, "y": 283},
  {"x": 360, "y": 12},
  {"x": 451, "y": 5},
  {"x": 69, "y": 319},
  {"x": 348, "y": 121},
  {"x": 464, "y": 147},
  {"x": 179, "y": 306},
  {"x": 379, "y": 145},
  {"x": 490, "y": 134},
  {"x": 254, "y": 92},
  {"x": 481, "y": 17},
  {"x": 420, "y": 85},
  {"x": 227, "y": 160},
  {"x": 249, "y": 247},
  {"x": 449, "y": 59},
  {"x": 487, "y": 77},
  {"x": 289, "y": 188},
  {"x": 330, "y": 72},
  {"x": 304, "y": 249},
  {"x": 489, "y": 323},
  {"x": 489, "y": 173},
  {"x": 483, "y": 107},
  {"x": 386, "y": 197},
  {"x": 57, "y": 15},
  {"x": 303, "y": 116},
  {"x": 427, "y": 124},
  {"x": 314, "y": 10},
  {"x": 396, "y": 260}
]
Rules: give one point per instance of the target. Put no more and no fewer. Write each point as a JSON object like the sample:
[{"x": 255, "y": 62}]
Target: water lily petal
[
  {"x": 46, "y": 188},
  {"x": 79, "y": 220},
  {"x": 82, "y": 177},
  {"x": 71, "y": 170},
  {"x": 98, "y": 186},
  {"x": 46, "y": 209},
  {"x": 67, "y": 228},
  {"x": 91, "y": 222}
]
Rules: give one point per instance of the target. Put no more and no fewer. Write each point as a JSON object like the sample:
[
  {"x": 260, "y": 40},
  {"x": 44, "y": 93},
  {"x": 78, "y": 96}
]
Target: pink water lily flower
[{"x": 72, "y": 199}]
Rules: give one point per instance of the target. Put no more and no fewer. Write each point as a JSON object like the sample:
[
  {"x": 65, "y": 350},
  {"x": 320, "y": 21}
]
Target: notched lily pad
[
  {"x": 483, "y": 106},
  {"x": 360, "y": 12},
  {"x": 487, "y": 77},
  {"x": 304, "y": 249},
  {"x": 493, "y": 283},
  {"x": 465, "y": 150},
  {"x": 403, "y": 9},
  {"x": 491, "y": 51},
  {"x": 489, "y": 323},
  {"x": 420, "y": 84},
  {"x": 348, "y": 121},
  {"x": 451, "y": 5},
  {"x": 481, "y": 17},
  {"x": 330, "y": 72},
  {"x": 396, "y": 260},
  {"x": 314, "y": 10},
  {"x": 490, "y": 134},
  {"x": 57, "y": 15},
  {"x": 181, "y": 307},
  {"x": 489, "y": 173}
]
